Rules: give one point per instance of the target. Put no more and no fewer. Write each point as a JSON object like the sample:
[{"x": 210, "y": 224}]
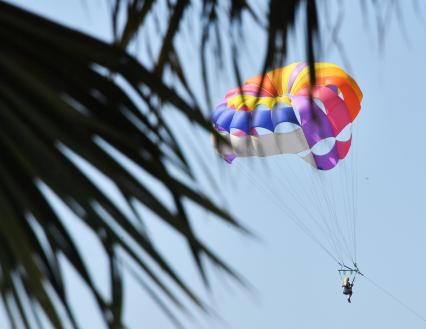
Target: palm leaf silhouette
[{"x": 73, "y": 107}]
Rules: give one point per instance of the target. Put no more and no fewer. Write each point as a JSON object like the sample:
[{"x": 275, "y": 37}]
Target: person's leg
[{"x": 349, "y": 298}]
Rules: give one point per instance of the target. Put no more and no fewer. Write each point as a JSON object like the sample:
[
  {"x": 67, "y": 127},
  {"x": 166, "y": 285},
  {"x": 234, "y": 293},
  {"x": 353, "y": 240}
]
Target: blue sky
[{"x": 295, "y": 284}]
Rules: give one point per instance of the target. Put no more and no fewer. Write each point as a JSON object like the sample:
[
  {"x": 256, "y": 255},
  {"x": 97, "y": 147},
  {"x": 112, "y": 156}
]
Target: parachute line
[
  {"x": 292, "y": 216},
  {"x": 327, "y": 233},
  {"x": 331, "y": 205}
]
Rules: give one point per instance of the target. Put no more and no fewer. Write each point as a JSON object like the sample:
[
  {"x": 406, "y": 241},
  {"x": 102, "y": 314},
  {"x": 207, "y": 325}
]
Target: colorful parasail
[{"x": 274, "y": 114}]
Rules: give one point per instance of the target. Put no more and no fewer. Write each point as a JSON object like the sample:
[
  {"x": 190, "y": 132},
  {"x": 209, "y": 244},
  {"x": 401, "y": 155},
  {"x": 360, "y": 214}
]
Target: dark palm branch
[{"x": 70, "y": 105}]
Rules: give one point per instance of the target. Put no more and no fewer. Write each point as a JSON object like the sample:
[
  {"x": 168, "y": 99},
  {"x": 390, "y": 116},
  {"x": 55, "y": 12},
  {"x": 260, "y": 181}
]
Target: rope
[{"x": 396, "y": 299}]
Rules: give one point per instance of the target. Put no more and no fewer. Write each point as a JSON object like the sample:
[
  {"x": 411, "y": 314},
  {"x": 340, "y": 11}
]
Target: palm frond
[
  {"x": 61, "y": 105},
  {"x": 72, "y": 105}
]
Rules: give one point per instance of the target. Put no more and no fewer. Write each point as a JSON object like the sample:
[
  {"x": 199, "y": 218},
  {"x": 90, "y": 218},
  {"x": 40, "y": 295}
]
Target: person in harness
[{"x": 347, "y": 287}]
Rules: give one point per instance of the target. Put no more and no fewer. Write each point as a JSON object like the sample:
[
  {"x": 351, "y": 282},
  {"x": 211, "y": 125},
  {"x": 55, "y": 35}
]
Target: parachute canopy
[{"x": 273, "y": 114}]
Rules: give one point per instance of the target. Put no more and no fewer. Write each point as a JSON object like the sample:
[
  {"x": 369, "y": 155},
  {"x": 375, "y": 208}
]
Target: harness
[{"x": 351, "y": 272}]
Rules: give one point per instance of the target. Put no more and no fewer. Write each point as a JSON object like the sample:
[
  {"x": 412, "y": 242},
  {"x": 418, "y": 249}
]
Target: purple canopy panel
[
  {"x": 316, "y": 127},
  {"x": 327, "y": 161},
  {"x": 299, "y": 67}
]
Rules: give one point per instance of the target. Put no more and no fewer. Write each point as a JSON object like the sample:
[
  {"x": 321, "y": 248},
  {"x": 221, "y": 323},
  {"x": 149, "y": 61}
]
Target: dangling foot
[{"x": 349, "y": 300}]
